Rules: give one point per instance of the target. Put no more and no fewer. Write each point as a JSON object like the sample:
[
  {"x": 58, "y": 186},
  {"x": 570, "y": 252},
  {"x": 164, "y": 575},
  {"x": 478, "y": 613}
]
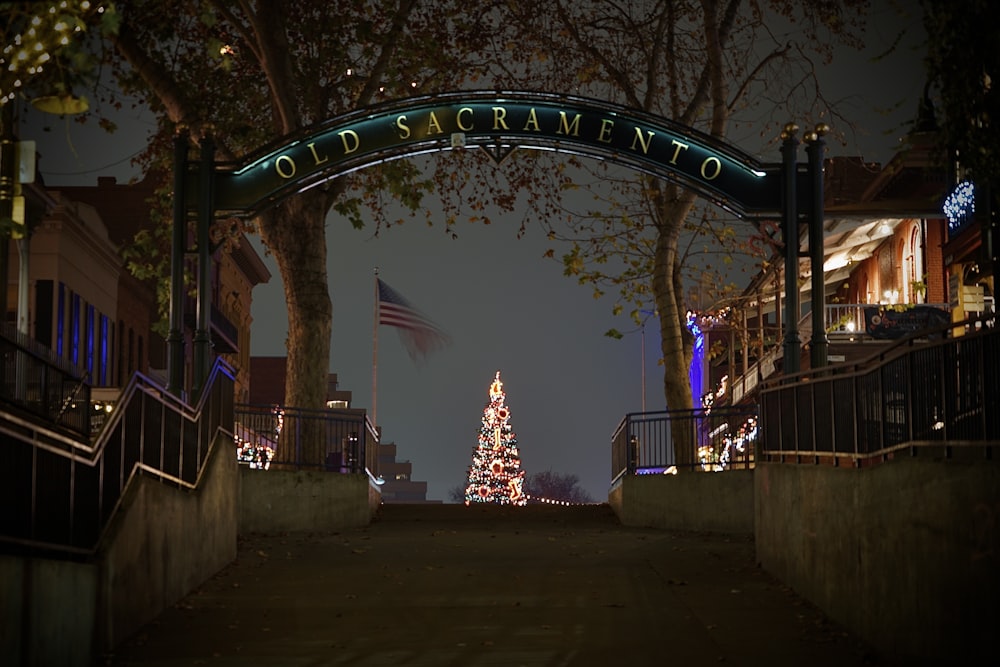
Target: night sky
[{"x": 505, "y": 306}]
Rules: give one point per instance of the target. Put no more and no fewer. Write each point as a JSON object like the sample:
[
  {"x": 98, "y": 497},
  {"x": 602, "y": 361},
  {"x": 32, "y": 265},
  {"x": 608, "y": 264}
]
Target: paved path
[{"x": 440, "y": 585}]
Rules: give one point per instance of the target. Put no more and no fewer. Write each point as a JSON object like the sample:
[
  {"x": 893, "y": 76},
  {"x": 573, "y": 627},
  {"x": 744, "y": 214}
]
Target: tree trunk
[
  {"x": 676, "y": 342},
  {"x": 294, "y": 232}
]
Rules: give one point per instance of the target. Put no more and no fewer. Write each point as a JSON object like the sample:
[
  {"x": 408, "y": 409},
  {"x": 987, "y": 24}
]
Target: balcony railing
[
  {"x": 844, "y": 322},
  {"x": 847, "y": 320},
  {"x": 745, "y": 384},
  {"x": 35, "y": 381}
]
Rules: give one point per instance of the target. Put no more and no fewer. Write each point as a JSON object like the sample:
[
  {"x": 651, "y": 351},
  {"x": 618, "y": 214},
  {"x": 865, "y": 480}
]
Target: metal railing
[
  {"x": 844, "y": 322},
  {"x": 721, "y": 439},
  {"x": 847, "y": 320},
  {"x": 744, "y": 385},
  {"x": 937, "y": 389},
  {"x": 333, "y": 440},
  {"x": 34, "y": 381},
  {"x": 60, "y": 492}
]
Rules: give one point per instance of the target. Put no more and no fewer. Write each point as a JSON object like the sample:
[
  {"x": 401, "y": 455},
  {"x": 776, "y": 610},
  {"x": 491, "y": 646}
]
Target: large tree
[
  {"x": 713, "y": 65},
  {"x": 963, "y": 64},
  {"x": 252, "y": 71}
]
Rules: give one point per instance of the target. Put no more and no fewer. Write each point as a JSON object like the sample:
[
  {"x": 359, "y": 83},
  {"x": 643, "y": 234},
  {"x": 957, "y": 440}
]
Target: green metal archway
[{"x": 498, "y": 122}]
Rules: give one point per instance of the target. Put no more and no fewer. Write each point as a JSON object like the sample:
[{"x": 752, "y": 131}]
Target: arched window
[
  {"x": 903, "y": 291},
  {"x": 916, "y": 264}
]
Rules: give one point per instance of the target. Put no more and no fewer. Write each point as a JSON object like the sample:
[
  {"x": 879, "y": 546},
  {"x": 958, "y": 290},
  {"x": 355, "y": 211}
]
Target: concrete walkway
[{"x": 444, "y": 585}]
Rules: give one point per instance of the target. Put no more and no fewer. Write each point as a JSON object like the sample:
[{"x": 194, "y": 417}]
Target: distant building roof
[
  {"x": 125, "y": 209},
  {"x": 267, "y": 383}
]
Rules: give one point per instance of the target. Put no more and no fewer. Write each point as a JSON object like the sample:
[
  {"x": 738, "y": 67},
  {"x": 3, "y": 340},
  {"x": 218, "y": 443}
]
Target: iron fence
[
  {"x": 941, "y": 390},
  {"x": 720, "y": 439},
  {"x": 334, "y": 440},
  {"x": 59, "y": 492},
  {"x": 847, "y": 320}
]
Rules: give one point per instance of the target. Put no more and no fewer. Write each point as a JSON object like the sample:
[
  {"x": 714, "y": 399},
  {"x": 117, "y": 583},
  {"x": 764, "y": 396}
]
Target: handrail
[
  {"x": 742, "y": 385},
  {"x": 897, "y": 347},
  {"x": 39, "y": 351},
  {"x": 34, "y": 381},
  {"x": 150, "y": 433},
  {"x": 837, "y": 315},
  {"x": 944, "y": 392}
]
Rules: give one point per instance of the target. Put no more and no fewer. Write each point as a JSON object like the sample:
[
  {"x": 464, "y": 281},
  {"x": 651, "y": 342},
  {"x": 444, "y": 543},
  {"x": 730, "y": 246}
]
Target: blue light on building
[{"x": 695, "y": 372}]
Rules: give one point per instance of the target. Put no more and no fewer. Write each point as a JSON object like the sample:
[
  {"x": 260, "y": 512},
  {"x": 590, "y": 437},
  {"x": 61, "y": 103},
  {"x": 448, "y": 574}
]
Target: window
[
  {"x": 89, "y": 341},
  {"x": 60, "y": 321},
  {"x": 129, "y": 358},
  {"x": 74, "y": 324},
  {"x": 916, "y": 275},
  {"x": 121, "y": 353},
  {"x": 103, "y": 357}
]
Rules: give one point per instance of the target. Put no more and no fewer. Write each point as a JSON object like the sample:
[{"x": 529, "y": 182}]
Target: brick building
[
  {"x": 884, "y": 241},
  {"x": 268, "y": 386}
]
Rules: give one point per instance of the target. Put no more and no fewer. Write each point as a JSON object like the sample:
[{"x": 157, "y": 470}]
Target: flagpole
[{"x": 375, "y": 356}]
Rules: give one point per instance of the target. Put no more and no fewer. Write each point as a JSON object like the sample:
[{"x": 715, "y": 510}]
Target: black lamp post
[
  {"x": 820, "y": 344},
  {"x": 790, "y": 232}
]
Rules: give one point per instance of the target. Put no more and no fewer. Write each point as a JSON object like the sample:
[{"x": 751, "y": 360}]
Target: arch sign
[{"x": 498, "y": 122}]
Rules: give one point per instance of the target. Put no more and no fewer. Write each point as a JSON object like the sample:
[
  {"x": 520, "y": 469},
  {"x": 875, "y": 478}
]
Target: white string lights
[
  {"x": 959, "y": 205},
  {"x": 38, "y": 40}
]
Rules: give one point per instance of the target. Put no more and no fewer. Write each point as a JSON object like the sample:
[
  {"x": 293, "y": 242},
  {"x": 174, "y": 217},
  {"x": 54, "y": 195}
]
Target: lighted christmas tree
[{"x": 495, "y": 475}]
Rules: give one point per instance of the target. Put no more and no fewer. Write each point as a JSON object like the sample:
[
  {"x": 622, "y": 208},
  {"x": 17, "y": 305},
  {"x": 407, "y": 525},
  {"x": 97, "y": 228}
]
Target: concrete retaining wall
[
  {"x": 164, "y": 542},
  {"x": 716, "y": 502},
  {"x": 906, "y": 554},
  {"x": 47, "y": 612},
  {"x": 300, "y": 501}
]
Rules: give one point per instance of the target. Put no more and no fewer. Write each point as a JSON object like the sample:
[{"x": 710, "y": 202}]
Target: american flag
[{"x": 419, "y": 335}]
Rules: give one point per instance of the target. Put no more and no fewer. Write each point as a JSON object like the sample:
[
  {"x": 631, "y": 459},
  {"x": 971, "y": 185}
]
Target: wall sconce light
[{"x": 61, "y": 105}]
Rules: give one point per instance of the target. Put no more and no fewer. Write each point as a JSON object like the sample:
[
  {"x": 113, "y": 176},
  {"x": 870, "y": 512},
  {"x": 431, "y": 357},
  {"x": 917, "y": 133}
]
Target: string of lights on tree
[
  {"x": 495, "y": 475},
  {"x": 960, "y": 205},
  {"x": 43, "y": 46}
]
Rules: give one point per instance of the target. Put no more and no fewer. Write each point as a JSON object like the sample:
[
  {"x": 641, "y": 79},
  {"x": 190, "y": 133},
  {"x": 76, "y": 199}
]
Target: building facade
[
  {"x": 87, "y": 307},
  {"x": 399, "y": 486},
  {"x": 888, "y": 249}
]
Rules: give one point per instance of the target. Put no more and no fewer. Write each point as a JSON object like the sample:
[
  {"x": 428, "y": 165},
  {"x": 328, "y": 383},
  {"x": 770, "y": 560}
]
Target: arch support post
[
  {"x": 790, "y": 232},
  {"x": 819, "y": 346},
  {"x": 206, "y": 211},
  {"x": 178, "y": 246}
]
